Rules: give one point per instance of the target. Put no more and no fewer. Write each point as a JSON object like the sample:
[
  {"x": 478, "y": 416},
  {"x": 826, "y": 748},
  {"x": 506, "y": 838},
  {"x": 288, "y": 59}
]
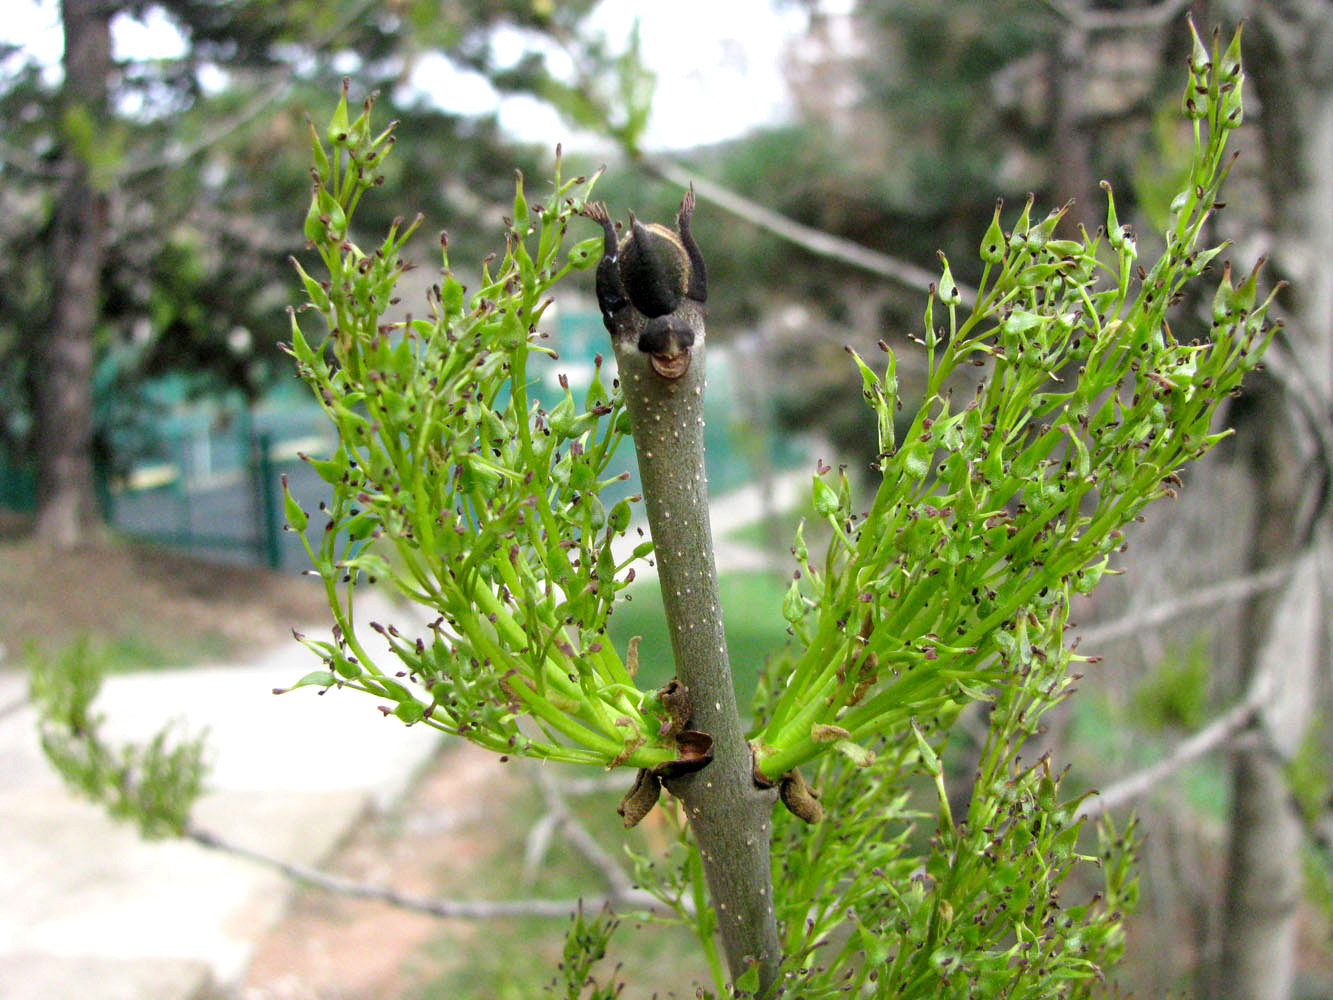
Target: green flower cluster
[
  {"x": 1008, "y": 494},
  {"x": 992, "y": 904},
  {"x": 455, "y": 486},
  {"x": 153, "y": 784}
]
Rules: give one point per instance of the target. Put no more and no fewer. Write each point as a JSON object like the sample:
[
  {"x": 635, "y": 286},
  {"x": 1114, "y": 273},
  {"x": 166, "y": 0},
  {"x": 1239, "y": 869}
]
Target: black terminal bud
[
  {"x": 654, "y": 268},
  {"x": 652, "y": 286}
]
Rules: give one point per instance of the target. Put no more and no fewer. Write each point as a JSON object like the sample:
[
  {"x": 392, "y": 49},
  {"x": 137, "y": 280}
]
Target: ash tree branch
[{"x": 652, "y": 290}]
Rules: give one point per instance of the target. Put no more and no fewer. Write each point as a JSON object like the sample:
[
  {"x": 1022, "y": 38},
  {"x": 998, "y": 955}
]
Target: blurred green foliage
[
  {"x": 152, "y": 784},
  {"x": 755, "y": 630},
  {"x": 1176, "y": 693},
  {"x": 205, "y": 156}
]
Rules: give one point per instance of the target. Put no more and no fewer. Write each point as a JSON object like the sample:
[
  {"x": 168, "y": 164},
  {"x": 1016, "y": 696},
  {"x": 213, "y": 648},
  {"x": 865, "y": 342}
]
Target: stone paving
[{"x": 89, "y": 910}]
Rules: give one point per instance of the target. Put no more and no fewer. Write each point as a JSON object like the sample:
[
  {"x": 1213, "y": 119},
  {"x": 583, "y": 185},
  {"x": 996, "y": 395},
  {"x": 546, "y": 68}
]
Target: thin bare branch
[
  {"x": 1131, "y": 18},
  {"x": 464, "y": 909},
  {"x": 253, "y": 232},
  {"x": 1213, "y": 736},
  {"x": 815, "y": 240},
  {"x": 617, "y": 881},
  {"x": 1227, "y": 592},
  {"x": 273, "y": 88},
  {"x": 535, "y": 846}
]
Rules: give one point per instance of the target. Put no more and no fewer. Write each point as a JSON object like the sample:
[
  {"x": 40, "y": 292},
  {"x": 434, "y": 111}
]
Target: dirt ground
[
  {"x": 147, "y": 605},
  {"x": 461, "y": 833},
  {"x": 338, "y": 948}
]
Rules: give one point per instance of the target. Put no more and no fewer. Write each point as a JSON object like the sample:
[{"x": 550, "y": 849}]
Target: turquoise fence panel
[{"x": 212, "y": 483}]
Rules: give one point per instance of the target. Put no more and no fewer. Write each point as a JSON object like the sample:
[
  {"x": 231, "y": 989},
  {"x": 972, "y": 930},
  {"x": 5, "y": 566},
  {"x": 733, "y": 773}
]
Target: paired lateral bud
[
  {"x": 675, "y": 699},
  {"x": 801, "y": 800},
  {"x": 695, "y": 752}
]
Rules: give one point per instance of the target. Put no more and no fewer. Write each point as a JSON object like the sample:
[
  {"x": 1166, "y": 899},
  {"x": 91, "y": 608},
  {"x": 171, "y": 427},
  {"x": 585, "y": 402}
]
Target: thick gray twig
[{"x": 661, "y": 356}]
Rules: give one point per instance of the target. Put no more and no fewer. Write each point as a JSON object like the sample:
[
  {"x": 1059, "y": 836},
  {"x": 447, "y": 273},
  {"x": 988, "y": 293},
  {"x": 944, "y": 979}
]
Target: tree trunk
[
  {"x": 1293, "y": 73},
  {"x": 1264, "y": 887},
  {"x": 1072, "y": 178},
  {"x": 66, "y": 499}
]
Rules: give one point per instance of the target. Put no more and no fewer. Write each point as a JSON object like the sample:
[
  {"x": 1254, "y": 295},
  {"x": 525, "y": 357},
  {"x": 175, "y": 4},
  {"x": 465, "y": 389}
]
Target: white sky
[{"x": 718, "y": 64}]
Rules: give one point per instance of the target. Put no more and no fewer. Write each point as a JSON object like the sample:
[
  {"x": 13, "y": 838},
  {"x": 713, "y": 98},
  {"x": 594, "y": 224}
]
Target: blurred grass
[
  {"x": 759, "y": 533},
  {"x": 751, "y": 613},
  {"x": 1104, "y": 741}
]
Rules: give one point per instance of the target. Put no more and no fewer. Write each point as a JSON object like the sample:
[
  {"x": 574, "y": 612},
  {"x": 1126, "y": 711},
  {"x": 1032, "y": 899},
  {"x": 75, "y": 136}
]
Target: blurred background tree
[{"x": 144, "y": 198}]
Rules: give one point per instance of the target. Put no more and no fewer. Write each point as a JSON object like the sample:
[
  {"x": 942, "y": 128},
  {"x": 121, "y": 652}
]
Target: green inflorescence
[
  {"x": 926, "y": 880},
  {"x": 454, "y": 485},
  {"x": 1009, "y": 493}
]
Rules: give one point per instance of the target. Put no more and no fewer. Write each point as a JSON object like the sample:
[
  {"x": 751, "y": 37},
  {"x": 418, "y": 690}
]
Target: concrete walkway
[{"x": 90, "y": 911}]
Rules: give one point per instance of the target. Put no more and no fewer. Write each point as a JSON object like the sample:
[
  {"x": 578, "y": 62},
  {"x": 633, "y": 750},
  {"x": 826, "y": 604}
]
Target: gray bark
[
  {"x": 1072, "y": 178},
  {"x": 1265, "y": 886},
  {"x": 66, "y": 500},
  {"x": 730, "y": 816}
]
